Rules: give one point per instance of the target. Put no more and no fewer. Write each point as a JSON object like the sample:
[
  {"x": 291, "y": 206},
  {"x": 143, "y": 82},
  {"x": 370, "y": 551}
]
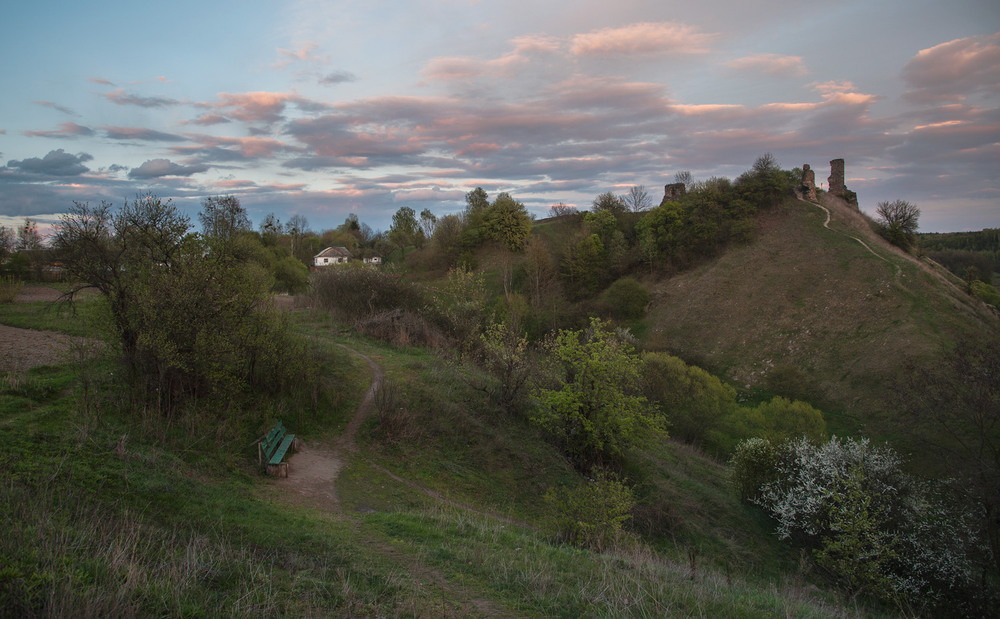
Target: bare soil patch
[{"x": 23, "y": 349}]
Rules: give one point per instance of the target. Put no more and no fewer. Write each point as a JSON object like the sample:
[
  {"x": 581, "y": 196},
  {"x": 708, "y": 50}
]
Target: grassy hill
[
  {"x": 112, "y": 511},
  {"x": 811, "y": 310}
]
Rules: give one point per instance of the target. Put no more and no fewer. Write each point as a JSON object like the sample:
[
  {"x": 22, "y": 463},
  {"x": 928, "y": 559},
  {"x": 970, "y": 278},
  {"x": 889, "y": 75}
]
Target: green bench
[{"x": 272, "y": 448}]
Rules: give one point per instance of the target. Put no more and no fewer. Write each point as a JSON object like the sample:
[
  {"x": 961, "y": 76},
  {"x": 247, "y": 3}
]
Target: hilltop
[{"x": 832, "y": 319}]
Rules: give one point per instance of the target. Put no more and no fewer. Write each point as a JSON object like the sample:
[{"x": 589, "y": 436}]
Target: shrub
[
  {"x": 985, "y": 292},
  {"x": 357, "y": 291},
  {"x": 9, "y": 288},
  {"x": 591, "y": 515},
  {"x": 627, "y": 298},
  {"x": 752, "y": 465},
  {"x": 873, "y": 527}
]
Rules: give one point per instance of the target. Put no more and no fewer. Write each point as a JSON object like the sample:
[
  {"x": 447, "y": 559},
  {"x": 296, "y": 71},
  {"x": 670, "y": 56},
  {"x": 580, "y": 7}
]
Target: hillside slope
[{"x": 836, "y": 318}]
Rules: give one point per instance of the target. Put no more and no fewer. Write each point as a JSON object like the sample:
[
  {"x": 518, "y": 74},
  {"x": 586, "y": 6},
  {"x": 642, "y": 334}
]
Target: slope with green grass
[
  {"x": 111, "y": 511},
  {"x": 841, "y": 318}
]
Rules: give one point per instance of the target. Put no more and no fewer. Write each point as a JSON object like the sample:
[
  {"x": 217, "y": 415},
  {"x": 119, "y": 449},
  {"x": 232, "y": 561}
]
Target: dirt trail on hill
[
  {"x": 312, "y": 481},
  {"x": 313, "y": 470}
]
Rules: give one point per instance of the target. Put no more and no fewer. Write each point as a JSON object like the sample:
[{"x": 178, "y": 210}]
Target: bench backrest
[{"x": 272, "y": 440}]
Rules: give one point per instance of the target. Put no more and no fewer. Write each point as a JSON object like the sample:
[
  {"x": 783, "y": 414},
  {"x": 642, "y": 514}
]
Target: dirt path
[
  {"x": 313, "y": 470},
  {"x": 312, "y": 481}
]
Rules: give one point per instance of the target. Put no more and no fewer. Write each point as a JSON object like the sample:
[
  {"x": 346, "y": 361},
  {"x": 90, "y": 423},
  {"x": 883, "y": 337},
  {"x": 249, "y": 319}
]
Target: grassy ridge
[
  {"x": 111, "y": 512},
  {"x": 814, "y": 299}
]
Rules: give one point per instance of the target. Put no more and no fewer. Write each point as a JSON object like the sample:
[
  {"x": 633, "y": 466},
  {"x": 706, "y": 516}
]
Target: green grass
[{"x": 109, "y": 510}]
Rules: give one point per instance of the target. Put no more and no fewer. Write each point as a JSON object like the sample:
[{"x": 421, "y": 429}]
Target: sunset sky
[{"x": 323, "y": 108}]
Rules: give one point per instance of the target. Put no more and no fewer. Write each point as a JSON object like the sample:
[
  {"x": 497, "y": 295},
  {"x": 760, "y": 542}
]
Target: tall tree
[
  {"x": 222, "y": 218},
  {"x": 507, "y": 221},
  {"x": 404, "y": 228},
  {"x": 637, "y": 199},
  {"x": 28, "y": 237},
  {"x": 428, "y": 221},
  {"x": 608, "y": 201}
]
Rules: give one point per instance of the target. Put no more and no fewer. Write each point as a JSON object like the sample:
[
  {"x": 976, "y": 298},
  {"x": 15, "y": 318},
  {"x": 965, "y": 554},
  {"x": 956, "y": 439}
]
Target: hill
[{"x": 830, "y": 313}]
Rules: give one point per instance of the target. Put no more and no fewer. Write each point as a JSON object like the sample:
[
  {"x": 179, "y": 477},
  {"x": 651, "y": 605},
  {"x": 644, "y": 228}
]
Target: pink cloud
[
  {"x": 258, "y": 106},
  {"x": 954, "y": 70},
  {"x": 525, "y": 49},
  {"x": 65, "y": 130},
  {"x": 770, "y": 64},
  {"x": 644, "y": 38},
  {"x": 303, "y": 54},
  {"x": 120, "y": 97}
]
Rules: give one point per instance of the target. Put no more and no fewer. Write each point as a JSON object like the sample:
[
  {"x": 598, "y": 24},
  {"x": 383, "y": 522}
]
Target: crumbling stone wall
[
  {"x": 673, "y": 191},
  {"x": 809, "y": 182}
]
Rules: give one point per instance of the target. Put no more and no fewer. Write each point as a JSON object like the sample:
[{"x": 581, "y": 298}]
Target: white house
[
  {"x": 373, "y": 260},
  {"x": 332, "y": 255}
]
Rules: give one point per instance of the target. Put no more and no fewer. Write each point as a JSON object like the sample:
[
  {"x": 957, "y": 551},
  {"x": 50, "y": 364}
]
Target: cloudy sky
[{"x": 323, "y": 108}]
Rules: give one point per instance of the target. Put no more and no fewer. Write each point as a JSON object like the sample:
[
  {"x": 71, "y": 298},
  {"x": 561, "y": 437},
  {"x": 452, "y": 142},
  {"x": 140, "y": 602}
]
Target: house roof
[{"x": 334, "y": 252}]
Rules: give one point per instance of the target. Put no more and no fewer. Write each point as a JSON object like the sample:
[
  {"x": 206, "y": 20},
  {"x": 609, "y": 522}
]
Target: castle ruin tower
[
  {"x": 809, "y": 182},
  {"x": 837, "y": 186}
]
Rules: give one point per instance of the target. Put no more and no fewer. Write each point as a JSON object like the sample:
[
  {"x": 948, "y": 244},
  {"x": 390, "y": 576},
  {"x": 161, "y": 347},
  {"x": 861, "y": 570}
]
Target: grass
[
  {"x": 813, "y": 298},
  {"x": 112, "y": 511}
]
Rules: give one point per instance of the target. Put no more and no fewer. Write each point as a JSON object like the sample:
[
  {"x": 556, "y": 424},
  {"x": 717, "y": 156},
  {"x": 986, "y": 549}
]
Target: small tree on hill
[
  {"x": 897, "y": 222},
  {"x": 597, "y": 411}
]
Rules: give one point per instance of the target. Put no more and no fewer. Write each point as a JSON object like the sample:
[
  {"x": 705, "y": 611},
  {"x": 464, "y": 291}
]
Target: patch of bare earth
[{"x": 23, "y": 349}]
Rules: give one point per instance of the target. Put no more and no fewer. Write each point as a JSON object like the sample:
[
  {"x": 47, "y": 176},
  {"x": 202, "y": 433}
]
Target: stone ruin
[
  {"x": 673, "y": 191},
  {"x": 836, "y": 185},
  {"x": 808, "y": 182}
]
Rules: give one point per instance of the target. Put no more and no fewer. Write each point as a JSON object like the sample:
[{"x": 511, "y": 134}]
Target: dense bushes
[
  {"x": 871, "y": 526},
  {"x": 356, "y": 291},
  {"x": 192, "y": 316},
  {"x": 702, "y": 410}
]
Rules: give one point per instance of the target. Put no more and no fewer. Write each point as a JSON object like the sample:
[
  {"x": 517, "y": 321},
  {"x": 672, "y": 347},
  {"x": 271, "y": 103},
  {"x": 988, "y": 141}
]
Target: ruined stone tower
[
  {"x": 836, "y": 183},
  {"x": 809, "y": 182},
  {"x": 673, "y": 191}
]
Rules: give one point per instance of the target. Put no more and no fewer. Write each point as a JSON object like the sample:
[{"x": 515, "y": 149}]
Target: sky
[{"x": 326, "y": 108}]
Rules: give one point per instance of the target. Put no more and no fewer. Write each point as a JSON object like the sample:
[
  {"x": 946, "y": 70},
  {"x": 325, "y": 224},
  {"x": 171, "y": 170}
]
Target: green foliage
[
  {"x": 9, "y": 288},
  {"x": 193, "y": 319},
  {"x": 752, "y": 465},
  {"x": 591, "y": 515},
  {"x": 873, "y": 527},
  {"x": 596, "y": 413},
  {"x": 585, "y": 266},
  {"x": 354, "y": 291},
  {"x": 627, "y": 299},
  {"x": 691, "y": 399},
  {"x": 985, "y": 292},
  {"x": 503, "y": 352},
  {"x": 781, "y": 418},
  {"x": 506, "y": 221},
  {"x": 897, "y": 222}
]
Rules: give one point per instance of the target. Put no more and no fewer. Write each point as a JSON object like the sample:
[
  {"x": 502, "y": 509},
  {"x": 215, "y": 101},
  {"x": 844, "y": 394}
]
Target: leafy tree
[
  {"x": 223, "y": 218},
  {"x": 897, "y": 222},
  {"x": 403, "y": 231},
  {"x": 597, "y": 411},
  {"x": 872, "y": 526},
  {"x": 584, "y": 265},
  {"x": 192, "y": 319},
  {"x": 507, "y": 221},
  {"x": 270, "y": 230},
  {"x": 627, "y": 298},
  {"x": 476, "y": 203},
  {"x": 608, "y": 201},
  {"x": 446, "y": 241},
  {"x": 952, "y": 411},
  {"x": 503, "y": 352},
  {"x": 297, "y": 227}
]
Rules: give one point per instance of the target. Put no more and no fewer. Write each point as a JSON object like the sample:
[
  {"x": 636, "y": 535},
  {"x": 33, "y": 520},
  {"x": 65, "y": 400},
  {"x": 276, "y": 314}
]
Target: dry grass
[{"x": 815, "y": 299}]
